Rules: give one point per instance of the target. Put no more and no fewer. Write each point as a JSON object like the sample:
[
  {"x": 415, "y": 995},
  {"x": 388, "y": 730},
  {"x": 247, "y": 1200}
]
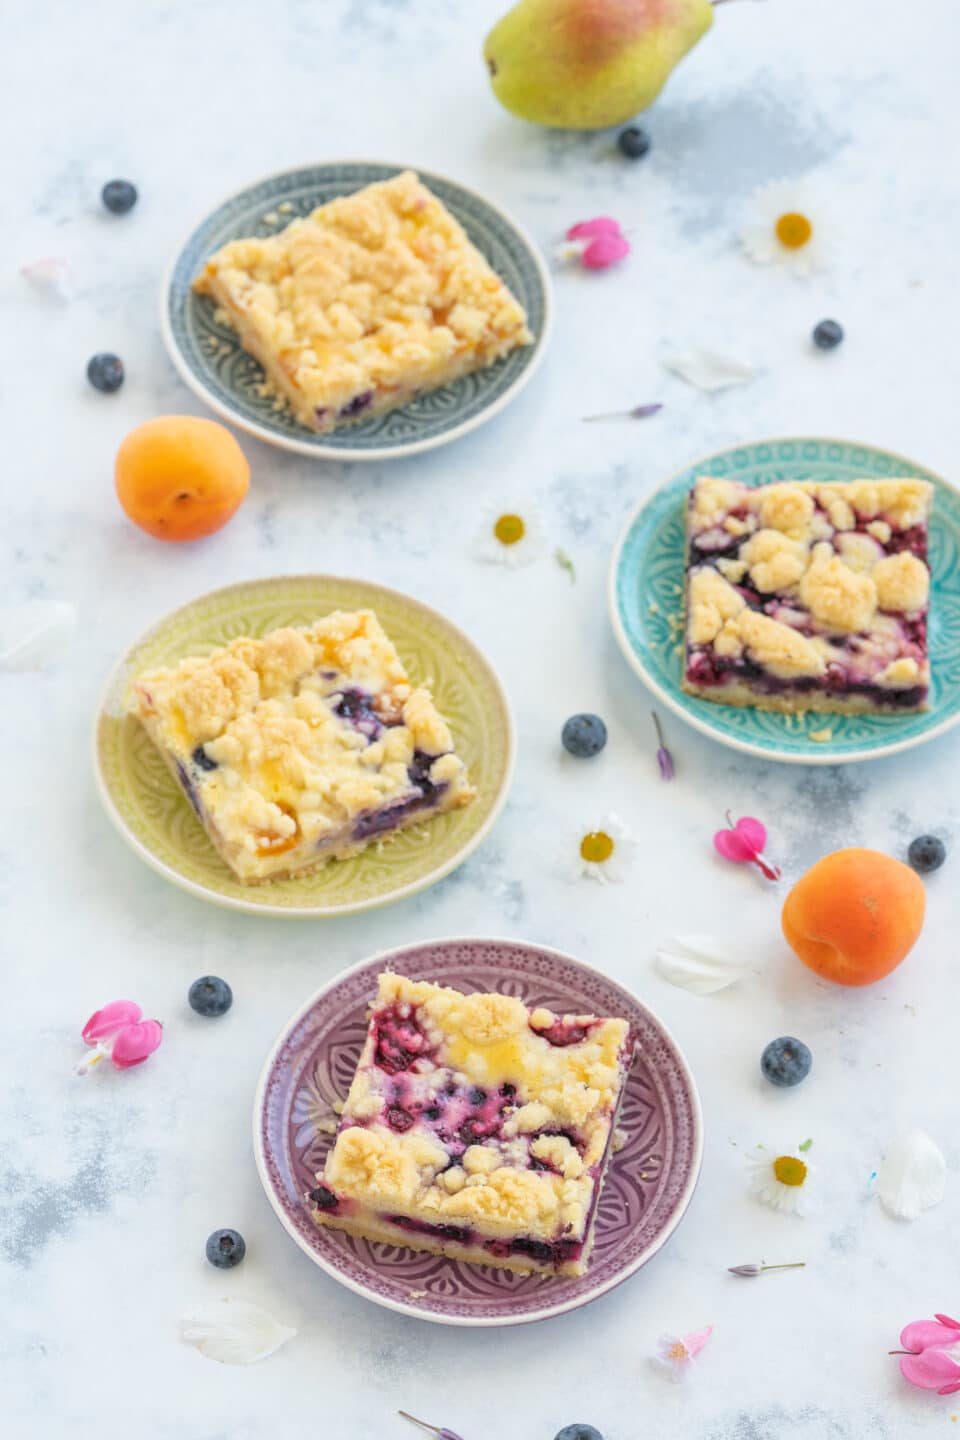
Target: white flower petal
[
  {"x": 709, "y": 369},
  {"x": 234, "y": 1332},
  {"x": 701, "y": 964},
  {"x": 51, "y": 273},
  {"x": 912, "y": 1176},
  {"x": 35, "y": 633}
]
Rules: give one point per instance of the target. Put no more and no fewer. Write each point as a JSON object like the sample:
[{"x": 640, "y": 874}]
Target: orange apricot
[
  {"x": 854, "y": 915},
  {"x": 179, "y": 477}
]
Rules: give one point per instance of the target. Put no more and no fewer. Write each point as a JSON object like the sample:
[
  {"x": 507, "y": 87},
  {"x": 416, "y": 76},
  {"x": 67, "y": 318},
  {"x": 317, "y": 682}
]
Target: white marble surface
[{"x": 109, "y": 1187}]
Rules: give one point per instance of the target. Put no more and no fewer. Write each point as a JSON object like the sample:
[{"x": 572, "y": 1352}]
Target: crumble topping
[
  {"x": 373, "y": 295},
  {"x": 808, "y": 582},
  {"x": 836, "y": 595},
  {"x": 282, "y": 742},
  {"x": 472, "y": 1111}
]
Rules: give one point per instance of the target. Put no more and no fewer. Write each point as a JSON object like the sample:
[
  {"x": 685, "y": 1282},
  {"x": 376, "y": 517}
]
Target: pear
[{"x": 589, "y": 64}]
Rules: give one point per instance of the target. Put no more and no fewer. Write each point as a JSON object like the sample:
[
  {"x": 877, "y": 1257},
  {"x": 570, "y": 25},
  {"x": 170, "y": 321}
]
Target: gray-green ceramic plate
[
  {"x": 212, "y": 362},
  {"x": 646, "y": 598},
  {"x": 154, "y": 817}
]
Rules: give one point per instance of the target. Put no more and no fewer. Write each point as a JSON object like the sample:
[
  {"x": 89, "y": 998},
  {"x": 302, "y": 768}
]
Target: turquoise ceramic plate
[
  {"x": 645, "y": 596},
  {"x": 212, "y": 362}
]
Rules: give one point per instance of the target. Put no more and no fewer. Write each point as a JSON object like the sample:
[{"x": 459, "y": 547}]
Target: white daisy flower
[
  {"x": 784, "y": 227},
  {"x": 782, "y": 1180},
  {"x": 510, "y": 534},
  {"x": 602, "y": 852}
]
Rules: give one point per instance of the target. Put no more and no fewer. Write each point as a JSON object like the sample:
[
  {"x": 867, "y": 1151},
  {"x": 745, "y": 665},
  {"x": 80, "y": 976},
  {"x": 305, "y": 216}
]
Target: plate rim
[
  {"x": 547, "y": 1312},
  {"x": 302, "y": 912},
  {"x": 319, "y": 451},
  {"x": 822, "y": 755}
]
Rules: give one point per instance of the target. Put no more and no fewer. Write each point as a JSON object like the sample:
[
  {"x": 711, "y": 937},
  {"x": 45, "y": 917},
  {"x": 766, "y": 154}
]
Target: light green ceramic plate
[
  {"x": 155, "y": 818},
  {"x": 646, "y": 590}
]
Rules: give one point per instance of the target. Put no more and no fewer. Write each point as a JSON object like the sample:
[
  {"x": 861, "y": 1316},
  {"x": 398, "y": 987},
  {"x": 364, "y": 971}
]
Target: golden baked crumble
[
  {"x": 476, "y": 1127},
  {"x": 303, "y": 746},
  {"x": 808, "y": 595},
  {"x": 369, "y": 300}
]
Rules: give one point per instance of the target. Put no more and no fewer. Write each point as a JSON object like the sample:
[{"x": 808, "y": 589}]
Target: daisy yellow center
[
  {"x": 596, "y": 847},
  {"x": 793, "y": 231},
  {"x": 677, "y": 1351},
  {"x": 509, "y": 529},
  {"x": 789, "y": 1170}
]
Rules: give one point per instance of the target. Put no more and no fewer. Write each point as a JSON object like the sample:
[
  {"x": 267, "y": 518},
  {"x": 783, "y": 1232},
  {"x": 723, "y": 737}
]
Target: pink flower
[
  {"x": 744, "y": 841},
  {"x": 119, "y": 1030},
  {"x": 595, "y": 243},
  {"x": 932, "y": 1358},
  {"x": 675, "y": 1353}
]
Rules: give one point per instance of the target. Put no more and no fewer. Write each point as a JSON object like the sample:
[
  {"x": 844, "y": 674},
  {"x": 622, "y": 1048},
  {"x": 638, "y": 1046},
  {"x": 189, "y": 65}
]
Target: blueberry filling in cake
[
  {"x": 477, "y": 1128},
  {"x": 304, "y": 746},
  {"x": 809, "y": 595},
  {"x": 362, "y": 305}
]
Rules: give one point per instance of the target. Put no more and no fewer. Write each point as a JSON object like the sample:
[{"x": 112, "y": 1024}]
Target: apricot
[
  {"x": 854, "y": 915},
  {"x": 179, "y": 477}
]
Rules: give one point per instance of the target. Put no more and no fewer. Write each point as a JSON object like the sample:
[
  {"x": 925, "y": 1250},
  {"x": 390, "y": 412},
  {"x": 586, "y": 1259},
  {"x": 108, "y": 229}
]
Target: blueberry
[
  {"x": 634, "y": 142},
  {"x": 827, "y": 335},
  {"x": 226, "y": 1248},
  {"x": 119, "y": 196},
  {"x": 786, "y": 1061},
  {"x": 357, "y": 405},
  {"x": 105, "y": 372},
  {"x": 540, "y": 1250},
  {"x": 210, "y": 996},
  {"x": 354, "y": 704},
  {"x": 579, "y": 1432},
  {"x": 202, "y": 760},
  {"x": 926, "y": 853},
  {"x": 323, "y": 1198},
  {"x": 584, "y": 735}
]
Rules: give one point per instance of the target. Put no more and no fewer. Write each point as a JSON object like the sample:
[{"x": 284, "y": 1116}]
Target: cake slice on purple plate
[
  {"x": 809, "y": 595},
  {"x": 302, "y": 747},
  {"x": 476, "y": 1128}
]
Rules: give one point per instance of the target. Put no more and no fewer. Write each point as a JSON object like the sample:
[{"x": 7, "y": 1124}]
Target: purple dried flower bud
[
  {"x": 664, "y": 758},
  {"x": 441, "y": 1432},
  {"x": 637, "y": 412}
]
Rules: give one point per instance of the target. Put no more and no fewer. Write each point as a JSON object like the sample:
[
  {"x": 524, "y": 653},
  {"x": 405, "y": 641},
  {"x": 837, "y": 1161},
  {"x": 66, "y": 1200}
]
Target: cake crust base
[
  {"x": 369, "y": 1228},
  {"x": 797, "y": 704}
]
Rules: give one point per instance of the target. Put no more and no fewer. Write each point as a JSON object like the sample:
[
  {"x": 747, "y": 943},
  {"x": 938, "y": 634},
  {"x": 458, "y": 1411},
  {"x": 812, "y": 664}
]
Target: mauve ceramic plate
[{"x": 649, "y": 1183}]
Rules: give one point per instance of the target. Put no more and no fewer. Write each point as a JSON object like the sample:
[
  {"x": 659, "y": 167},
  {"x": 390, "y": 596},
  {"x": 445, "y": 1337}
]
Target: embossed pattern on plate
[
  {"x": 213, "y": 363},
  {"x": 649, "y": 1183},
  {"x": 646, "y": 593},
  {"x": 153, "y": 814}
]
